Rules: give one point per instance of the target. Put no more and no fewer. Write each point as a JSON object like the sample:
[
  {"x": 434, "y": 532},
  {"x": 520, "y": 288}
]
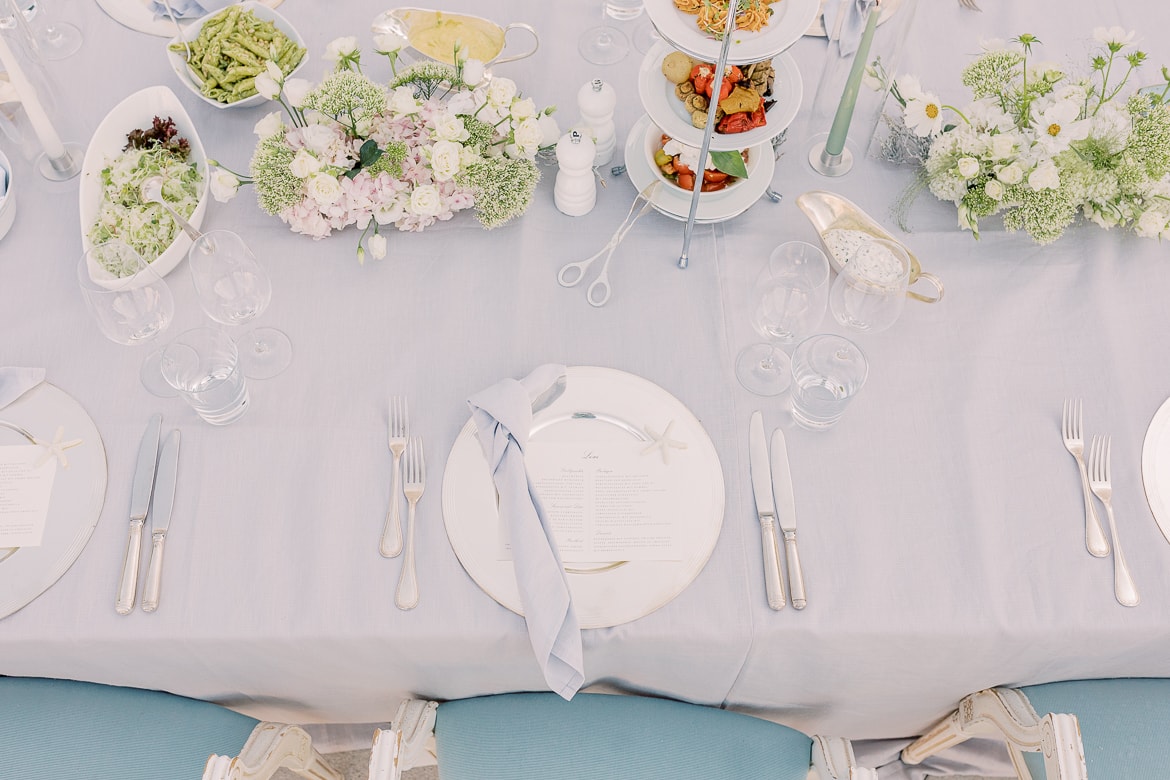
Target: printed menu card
[{"x": 26, "y": 485}]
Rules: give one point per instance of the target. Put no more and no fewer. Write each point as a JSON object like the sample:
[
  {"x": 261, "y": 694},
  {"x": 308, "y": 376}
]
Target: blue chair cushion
[
  {"x": 540, "y": 735},
  {"x": 1124, "y": 723},
  {"x": 62, "y": 729}
]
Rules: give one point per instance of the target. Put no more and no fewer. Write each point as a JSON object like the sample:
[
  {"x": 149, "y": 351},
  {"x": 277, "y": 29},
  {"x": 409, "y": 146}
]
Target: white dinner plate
[
  {"x": 76, "y": 502},
  {"x": 1156, "y": 467},
  {"x": 612, "y": 593},
  {"x": 137, "y": 111},
  {"x": 671, "y": 115},
  {"x": 136, "y": 15},
  {"x": 675, "y": 202},
  {"x": 790, "y": 20}
]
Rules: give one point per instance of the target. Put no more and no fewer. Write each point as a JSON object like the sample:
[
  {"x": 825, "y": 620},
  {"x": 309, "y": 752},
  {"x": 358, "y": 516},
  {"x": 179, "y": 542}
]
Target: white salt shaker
[
  {"x": 596, "y": 101},
  {"x": 575, "y": 192}
]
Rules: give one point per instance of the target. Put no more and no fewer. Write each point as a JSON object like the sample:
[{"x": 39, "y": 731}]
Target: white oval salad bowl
[{"x": 109, "y": 140}]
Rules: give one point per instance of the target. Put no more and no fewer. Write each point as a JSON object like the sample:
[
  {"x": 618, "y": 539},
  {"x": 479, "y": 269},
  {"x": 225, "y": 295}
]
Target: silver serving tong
[{"x": 599, "y": 290}]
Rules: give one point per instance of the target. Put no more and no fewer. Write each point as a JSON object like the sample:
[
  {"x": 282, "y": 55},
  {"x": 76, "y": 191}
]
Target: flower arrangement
[
  {"x": 1042, "y": 147},
  {"x": 436, "y": 140}
]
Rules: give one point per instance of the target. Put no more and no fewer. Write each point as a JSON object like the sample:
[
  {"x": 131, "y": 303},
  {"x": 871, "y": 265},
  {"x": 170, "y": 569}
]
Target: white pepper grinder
[
  {"x": 575, "y": 192},
  {"x": 596, "y": 101}
]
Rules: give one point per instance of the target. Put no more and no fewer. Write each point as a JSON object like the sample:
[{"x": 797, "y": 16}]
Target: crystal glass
[
  {"x": 202, "y": 364},
  {"x": 132, "y": 307},
  {"x": 828, "y": 371},
  {"x": 788, "y": 303},
  {"x": 234, "y": 289},
  {"x": 870, "y": 291},
  {"x": 56, "y": 39},
  {"x": 606, "y": 44}
]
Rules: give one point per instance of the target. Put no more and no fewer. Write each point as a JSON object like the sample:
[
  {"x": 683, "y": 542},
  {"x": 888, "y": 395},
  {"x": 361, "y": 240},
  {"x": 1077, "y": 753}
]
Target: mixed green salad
[{"x": 147, "y": 227}]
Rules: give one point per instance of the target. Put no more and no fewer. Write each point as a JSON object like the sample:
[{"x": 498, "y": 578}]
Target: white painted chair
[
  {"x": 1044, "y": 747},
  {"x": 63, "y": 729},
  {"x": 539, "y": 736}
]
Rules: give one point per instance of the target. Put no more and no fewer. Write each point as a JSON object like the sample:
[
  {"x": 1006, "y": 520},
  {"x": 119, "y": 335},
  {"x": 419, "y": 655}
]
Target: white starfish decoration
[
  {"x": 55, "y": 449},
  {"x": 663, "y": 442}
]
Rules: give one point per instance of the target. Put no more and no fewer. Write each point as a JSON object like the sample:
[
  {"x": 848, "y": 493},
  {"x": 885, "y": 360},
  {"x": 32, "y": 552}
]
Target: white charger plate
[
  {"x": 790, "y": 20},
  {"x": 76, "y": 502},
  {"x": 137, "y": 111},
  {"x": 671, "y": 115},
  {"x": 675, "y": 202},
  {"x": 611, "y": 593},
  {"x": 136, "y": 15},
  {"x": 1156, "y": 467}
]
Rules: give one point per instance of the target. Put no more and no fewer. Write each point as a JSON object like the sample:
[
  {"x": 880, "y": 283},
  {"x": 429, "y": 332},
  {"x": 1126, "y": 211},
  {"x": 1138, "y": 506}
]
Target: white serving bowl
[
  {"x": 138, "y": 111},
  {"x": 7, "y": 197},
  {"x": 191, "y": 32},
  {"x": 653, "y": 143}
]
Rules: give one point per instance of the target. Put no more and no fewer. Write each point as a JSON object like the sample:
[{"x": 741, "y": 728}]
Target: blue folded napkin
[
  {"x": 503, "y": 417},
  {"x": 187, "y": 9},
  {"x": 15, "y": 382},
  {"x": 855, "y": 14}
]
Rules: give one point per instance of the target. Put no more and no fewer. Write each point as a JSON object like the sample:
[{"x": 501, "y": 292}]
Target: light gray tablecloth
[{"x": 941, "y": 523}]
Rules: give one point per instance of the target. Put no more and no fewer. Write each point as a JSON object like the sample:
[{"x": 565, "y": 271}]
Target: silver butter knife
[
  {"x": 765, "y": 509},
  {"x": 160, "y": 518},
  {"x": 139, "y": 504},
  {"x": 786, "y": 516}
]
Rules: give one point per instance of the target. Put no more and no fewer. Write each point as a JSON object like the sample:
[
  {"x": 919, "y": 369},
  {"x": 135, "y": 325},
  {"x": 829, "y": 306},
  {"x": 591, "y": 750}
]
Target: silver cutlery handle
[
  {"x": 795, "y": 572},
  {"x": 150, "y": 591},
  {"x": 406, "y": 595},
  {"x": 391, "y": 546},
  {"x": 773, "y": 584},
  {"x": 1094, "y": 535},
  {"x": 128, "y": 584},
  {"x": 1124, "y": 587}
]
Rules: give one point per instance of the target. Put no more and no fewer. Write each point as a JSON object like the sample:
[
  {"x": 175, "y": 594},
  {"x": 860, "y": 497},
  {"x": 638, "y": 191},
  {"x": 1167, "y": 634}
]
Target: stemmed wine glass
[
  {"x": 606, "y": 44},
  {"x": 234, "y": 289},
  {"x": 131, "y": 303},
  {"x": 53, "y": 39},
  {"x": 788, "y": 300}
]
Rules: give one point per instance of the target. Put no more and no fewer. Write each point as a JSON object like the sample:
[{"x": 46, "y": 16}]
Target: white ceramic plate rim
[
  {"x": 76, "y": 503},
  {"x": 136, "y": 15},
  {"x": 191, "y": 32},
  {"x": 790, "y": 20},
  {"x": 1156, "y": 467},
  {"x": 136, "y": 111},
  {"x": 613, "y": 596},
  {"x": 817, "y": 28},
  {"x": 674, "y": 202},
  {"x": 668, "y": 111}
]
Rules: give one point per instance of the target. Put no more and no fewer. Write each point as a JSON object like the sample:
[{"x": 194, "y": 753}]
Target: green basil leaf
[{"x": 730, "y": 163}]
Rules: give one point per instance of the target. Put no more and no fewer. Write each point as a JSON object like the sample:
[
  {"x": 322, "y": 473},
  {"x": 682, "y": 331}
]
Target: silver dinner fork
[
  {"x": 391, "y": 545},
  {"x": 1100, "y": 452},
  {"x": 1074, "y": 441},
  {"x": 406, "y": 596}
]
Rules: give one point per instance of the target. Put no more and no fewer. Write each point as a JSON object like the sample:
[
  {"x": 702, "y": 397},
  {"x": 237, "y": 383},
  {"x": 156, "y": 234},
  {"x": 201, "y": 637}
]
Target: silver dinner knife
[
  {"x": 139, "y": 504},
  {"x": 786, "y": 516},
  {"x": 160, "y": 518},
  {"x": 765, "y": 509}
]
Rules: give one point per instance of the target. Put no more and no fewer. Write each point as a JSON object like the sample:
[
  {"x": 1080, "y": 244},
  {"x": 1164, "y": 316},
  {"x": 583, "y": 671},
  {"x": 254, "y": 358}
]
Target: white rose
[
  {"x": 304, "y": 164},
  {"x": 389, "y": 213},
  {"x": 993, "y": 189},
  {"x": 268, "y": 126},
  {"x": 426, "y": 201},
  {"x": 403, "y": 102},
  {"x": 449, "y": 127},
  {"x": 1044, "y": 177},
  {"x": 968, "y": 167},
  {"x": 1011, "y": 174},
  {"x": 224, "y": 185},
  {"x": 1002, "y": 146},
  {"x": 341, "y": 48},
  {"x": 473, "y": 72},
  {"x": 468, "y": 156},
  {"x": 318, "y": 138},
  {"x": 528, "y": 136},
  {"x": 267, "y": 86},
  {"x": 296, "y": 90},
  {"x": 549, "y": 130},
  {"x": 388, "y": 43},
  {"x": 445, "y": 159},
  {"x": 1150, "y": 224},
  {"x": 377, "y": 245},
  {"x": 461, "y": 103},
  {"x": 523, "y": 109},
  {"x": 501, "y": 91},
  {"x": 323, "y": 188}
]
